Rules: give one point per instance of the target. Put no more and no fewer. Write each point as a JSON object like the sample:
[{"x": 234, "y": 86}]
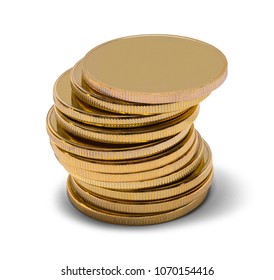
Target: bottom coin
[
  {"x": 143, "y": 207},
  {"x": 129, "y": 218}
]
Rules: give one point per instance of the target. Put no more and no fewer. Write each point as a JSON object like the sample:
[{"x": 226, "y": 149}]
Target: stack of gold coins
[{"x": 122, "y": 126}]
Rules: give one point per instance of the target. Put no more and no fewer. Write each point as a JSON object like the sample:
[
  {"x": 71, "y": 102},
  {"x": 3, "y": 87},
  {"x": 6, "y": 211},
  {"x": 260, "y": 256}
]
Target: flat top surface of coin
[{"x": 167, "y": 66}]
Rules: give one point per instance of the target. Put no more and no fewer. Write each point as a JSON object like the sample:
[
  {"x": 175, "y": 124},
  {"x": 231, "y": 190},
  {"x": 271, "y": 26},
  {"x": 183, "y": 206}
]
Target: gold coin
[
  {"x": 103, "y": 151},
  {"x": 186, "y": 164},
  {"x": 70, "y": 106},
  {"x": 161, "y": 192},
  {"x": 129, "y": 219},
  {"x": 122, "y": 126},
  {"x": 155, "y": 69},
  {"x": 130, "y": 135},
  {"x": 137, "y": 185},
  {"x": 153, "y": 206},
  {"x": 115, "y": 105},
  {"x": 128, "y": 166}
]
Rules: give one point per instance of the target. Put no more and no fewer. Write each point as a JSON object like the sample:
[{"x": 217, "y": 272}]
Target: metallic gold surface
[
  {"x": 70, "y": 106},
  {"x": 96, "y": 150},
  {"x": 150, "y": 206},
  {"x": 130, "y": 219},
  {"x": 129, "y": 136},
  {"x": 168, "y": 179},
  {"x": 154, "y": 69},
  {"x": 160, "y": 192},
  {"x": 122, "y": 125},
  {"x": 98, "y": 100},
  {"x": 187, "y": 163},
  {"x": 160, "y": 161}
]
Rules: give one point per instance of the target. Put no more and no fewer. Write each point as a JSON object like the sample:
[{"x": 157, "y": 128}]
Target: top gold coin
[{"x": 155, "y": 69}]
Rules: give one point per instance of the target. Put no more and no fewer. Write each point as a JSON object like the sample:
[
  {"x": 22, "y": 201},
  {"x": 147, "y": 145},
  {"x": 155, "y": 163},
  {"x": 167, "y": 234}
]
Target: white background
[{"x": 232, "y": 231}]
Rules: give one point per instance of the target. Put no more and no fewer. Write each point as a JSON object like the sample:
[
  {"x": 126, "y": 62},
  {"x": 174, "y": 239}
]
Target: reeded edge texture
[
  {"x": 89, "y": 151},
  {"x": 145, "y": 207},
  {"x": 125, "y": 219},
  {"x": 186, "y": 164},
  {"x": 106, "y": 120},
  {"x": 91, "y": 97}
]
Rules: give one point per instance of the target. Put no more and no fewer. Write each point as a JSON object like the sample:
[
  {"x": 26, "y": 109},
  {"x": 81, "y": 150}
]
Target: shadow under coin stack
[{"x": 122, "y": 126}]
